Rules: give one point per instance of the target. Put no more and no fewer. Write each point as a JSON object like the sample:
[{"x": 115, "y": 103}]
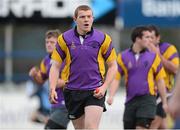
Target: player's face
[
  {"x": 146, "y": 39},
  {"x": 84, "y": 21},
  {"x": 50, "y": 44},
  {"x": 155, "y": 39}
]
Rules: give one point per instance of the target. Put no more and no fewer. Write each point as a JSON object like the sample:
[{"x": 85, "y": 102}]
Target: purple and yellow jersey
[
  {"x": 170, "y": 53},
  {"x": 45, "y": 69},
  {"x": 140, "y": 75},
  {"x": 84, "y": 62}
]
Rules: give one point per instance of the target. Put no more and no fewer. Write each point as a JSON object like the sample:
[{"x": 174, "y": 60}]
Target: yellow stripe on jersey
[
  {"x": 169, "y": 51},
  {"x": 43, "y": 67},
  {"x": 55, "y": 55},
  {"x": 150, "y": 80},
  {"x": 151, "y": 77},
  {"x": 125, "y": 70},
  {"x": 101, "y": 64},
  {"x": 161, "y": 74},
  {"x": 175, "y": 61},
  {"x": 118, "y": 76},
  {"x": 66, "y": 70},
  {"x": 112, "y": 56},
  {"x": 105, "y": 44},
  {"x": 102, "y": 51},
  {"x": 65, "y": 73}
]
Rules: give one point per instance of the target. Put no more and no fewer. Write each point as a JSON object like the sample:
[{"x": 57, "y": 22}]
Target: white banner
[
  {"x": 161, "y": 8},
  {"x": 47, "y": 8}
]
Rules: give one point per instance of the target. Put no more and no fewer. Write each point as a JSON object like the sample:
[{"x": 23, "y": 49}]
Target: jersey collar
[
  {"x": 84, "y": 36},
  {"x": 142, "y": 51}
]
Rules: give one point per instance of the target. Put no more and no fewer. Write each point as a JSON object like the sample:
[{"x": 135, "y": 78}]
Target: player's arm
[
  {"x": 116, "y": 82},
  {"x": 53, "y": 80},
  {"x": 169, "y": 65},
  {"x": 112, "y": 90},
  {"x": 112, "y": 69},
  {"x": 162, "y": 91},
  {"x": 60, "y": 83}
]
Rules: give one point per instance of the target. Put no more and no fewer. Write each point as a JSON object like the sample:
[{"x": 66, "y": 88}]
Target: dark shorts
[
  {"x": 140, "y": 111},
  {"x": 160, "y": 111},
  {"x": 60, "y": 116},
  {"x": 77, "y": 100}
]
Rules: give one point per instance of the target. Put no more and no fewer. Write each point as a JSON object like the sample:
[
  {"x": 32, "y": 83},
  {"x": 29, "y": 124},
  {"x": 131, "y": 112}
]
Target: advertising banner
[{"x": 164, "y": 13}]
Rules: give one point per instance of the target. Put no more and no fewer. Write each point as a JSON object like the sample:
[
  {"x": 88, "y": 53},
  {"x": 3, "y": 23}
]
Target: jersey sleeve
[
  {"x": 158, "y": 68},
  {"x": 108, "y": 50},
  {"x": 121, "y": 67},
  {"x": 59, "y": 53},
  {"x": 173, "y": 55},
  {"x": 43, "y": 70}
]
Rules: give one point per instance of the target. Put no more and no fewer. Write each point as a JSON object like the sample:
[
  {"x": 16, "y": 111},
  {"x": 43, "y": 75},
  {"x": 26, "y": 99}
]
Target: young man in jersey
[
  {"x": 85, "y": 50},
  {"x": 141, "y": 68},
  {"x": 58, "y": 116},
  {"x": 170, "y": 60}
]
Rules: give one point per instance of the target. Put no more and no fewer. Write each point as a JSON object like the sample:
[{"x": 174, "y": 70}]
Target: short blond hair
[
  {"x": 53, "y": 33},
  {"x": 81, "y": 7}
]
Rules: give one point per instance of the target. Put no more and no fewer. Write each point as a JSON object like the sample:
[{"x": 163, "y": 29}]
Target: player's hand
[
  {"x": 53, "y": 97},
  {"x": 99, "y": 93},
  {"x": 153, "y": 48},
  {"x": 33, "y": 71},
  {"x": 110, "y": 100}
]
